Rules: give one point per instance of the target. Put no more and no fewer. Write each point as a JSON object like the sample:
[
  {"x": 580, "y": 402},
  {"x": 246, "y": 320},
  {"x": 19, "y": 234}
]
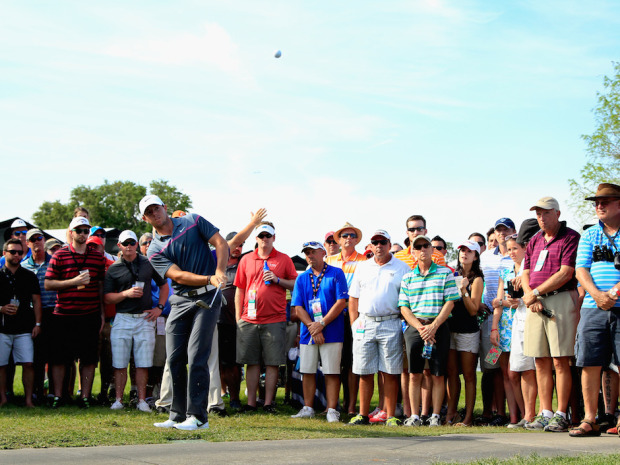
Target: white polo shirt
[{"x": 377, "y": 287}]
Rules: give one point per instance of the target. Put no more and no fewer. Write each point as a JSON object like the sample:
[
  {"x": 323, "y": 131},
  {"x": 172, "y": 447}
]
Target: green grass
[
  {"x": 70, "y": 426},
  {"x": 534, "y": 459}
]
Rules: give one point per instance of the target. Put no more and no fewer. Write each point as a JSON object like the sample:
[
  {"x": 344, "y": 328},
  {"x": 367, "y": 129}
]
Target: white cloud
[{"x": 214, "y": 47}]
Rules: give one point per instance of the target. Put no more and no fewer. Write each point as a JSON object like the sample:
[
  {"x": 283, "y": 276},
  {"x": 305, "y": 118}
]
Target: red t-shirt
[{"x": 270, "y": 300}]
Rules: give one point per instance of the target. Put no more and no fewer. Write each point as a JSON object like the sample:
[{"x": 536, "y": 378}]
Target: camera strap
[{"x": 612, "y": 239}]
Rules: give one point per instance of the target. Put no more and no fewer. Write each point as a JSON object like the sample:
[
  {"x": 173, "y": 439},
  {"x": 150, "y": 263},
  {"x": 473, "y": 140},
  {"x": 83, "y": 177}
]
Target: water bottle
[
  {"x": 427, "y": 351},
  {"x": 266, "y": 268}
]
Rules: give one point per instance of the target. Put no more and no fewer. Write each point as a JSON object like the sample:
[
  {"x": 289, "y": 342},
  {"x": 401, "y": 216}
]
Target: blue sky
[{"x": 462, "y": 111}]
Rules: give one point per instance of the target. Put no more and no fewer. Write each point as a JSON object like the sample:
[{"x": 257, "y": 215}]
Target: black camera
[
  {"x": 617, "y": 261},
  {"x": 510, "y": 290},
  {"x": 604, "y": 254}
]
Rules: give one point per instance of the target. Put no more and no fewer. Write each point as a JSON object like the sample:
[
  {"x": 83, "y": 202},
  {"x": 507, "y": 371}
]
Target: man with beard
[{"x": 76, "y": 273}]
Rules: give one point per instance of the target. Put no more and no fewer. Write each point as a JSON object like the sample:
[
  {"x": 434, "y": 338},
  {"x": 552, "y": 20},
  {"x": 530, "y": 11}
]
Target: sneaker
[
  {"x": 538, "y": 423},
  {"x": 143, "y": 406},
  {"x": 606, "y": 421},
  {"x": 520, "y": 424},
  {"x": 305, "y": 412},
  {"x": 56, "y": 402},
  {"x": 333, "y": 415},
  {"x": 84, "y": 402},
  {"x": 359, "y": 420},
  {"x": 374, "y": 412},
  {"x": 393, "y": 421},
  {"x": 235, "y": 405},
  {"x": 558, "y": 424},
  {"x": 191, "y": 423},
  {"x": 434, "y": 421},
  {"x": 248, "y": 409},
  {"x": 220, "y": 412},
  {"x": 499, "y": 420},
  {"x": 399, "y": 412},
  {"x": 117, "y": 405},
  {"x": 271, "y": 408},
  {"x": 165, "y": 424},
  {"x": 163, "y": 410},
  {"x": 412, "y": 422},
  {"x": 425, "y": 420},
  {"x": 379, "y": 417}
]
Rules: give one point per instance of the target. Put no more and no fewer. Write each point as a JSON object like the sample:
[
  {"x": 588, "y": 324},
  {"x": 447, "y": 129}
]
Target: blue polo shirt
[
  {"x": 333, "y": 287},
  {"x": 604, "y": 274},
  {"x": 187, "y": 247}
]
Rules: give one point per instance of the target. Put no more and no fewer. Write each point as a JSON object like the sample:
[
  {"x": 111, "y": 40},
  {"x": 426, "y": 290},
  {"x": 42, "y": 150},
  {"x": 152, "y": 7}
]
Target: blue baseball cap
[
  {"x": 94, "y": 229},
  {"x": 505, "y": 222}
]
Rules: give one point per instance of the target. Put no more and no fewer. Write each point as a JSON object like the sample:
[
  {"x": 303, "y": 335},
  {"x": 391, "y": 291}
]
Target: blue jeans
[{"x": 189, "y": 334}]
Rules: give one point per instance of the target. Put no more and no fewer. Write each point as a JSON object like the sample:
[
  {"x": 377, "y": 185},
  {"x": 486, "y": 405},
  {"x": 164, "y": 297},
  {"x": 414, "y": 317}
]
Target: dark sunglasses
[
  {"x": 480, "y": 243},
  {"x": 421, "y": 246},
  {"x": 35, "y": 239},
  {"x": 265, "y": 236},
  {"x": 82, "y": 231},
  {"x": 128, "y": 242},
  {"x": 146, "y": 243},
  {"x": 20, "y": 233},
  {"x": 330, "y": 241},
  {"x": 417, "y": 228},
  {"x": 438, "y": 247},
  {"x": 351, "y": 235},
  {"x": 99, "y": 234},
  {"x": 16, "y": 252},
  {"x": 379, "y": 241},
  {"x": 602, "y": 202}
]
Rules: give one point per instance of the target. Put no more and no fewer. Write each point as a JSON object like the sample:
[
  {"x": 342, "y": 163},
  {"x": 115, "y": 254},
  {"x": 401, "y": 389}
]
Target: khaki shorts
[
  {"x": 330, "y": 354},
  {"x": 552, "y": 337}
]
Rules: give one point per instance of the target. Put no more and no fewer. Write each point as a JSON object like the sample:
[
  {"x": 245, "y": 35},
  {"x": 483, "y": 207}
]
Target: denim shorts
[{"x": 598, "y": 337}]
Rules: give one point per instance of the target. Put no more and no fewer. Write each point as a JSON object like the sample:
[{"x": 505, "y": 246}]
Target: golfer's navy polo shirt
[{"x": 187, "y": 247}]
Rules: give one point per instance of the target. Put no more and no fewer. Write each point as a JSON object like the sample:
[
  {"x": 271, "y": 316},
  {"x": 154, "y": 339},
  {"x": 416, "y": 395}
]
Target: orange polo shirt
[{"x": 405, "y": 256}]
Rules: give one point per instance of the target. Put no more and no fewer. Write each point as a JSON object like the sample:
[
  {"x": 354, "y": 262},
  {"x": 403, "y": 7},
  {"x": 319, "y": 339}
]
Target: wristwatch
[
  {"x": 160, "y": 306},
  {"x": 323, "y": 323},
  {"x": 536, "y": 292}
]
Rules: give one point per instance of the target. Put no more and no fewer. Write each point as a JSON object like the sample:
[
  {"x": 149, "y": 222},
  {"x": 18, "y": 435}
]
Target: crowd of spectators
[{"x": 185, "y": 315}]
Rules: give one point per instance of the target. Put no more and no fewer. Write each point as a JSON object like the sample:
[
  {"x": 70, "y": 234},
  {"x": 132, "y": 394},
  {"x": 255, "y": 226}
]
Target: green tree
[
  {"x": 170, "y": 195},
  {"x": 111, "y": 205},
  {"x": 53, "y": 215},
  {"x": 603, "y": 147}
]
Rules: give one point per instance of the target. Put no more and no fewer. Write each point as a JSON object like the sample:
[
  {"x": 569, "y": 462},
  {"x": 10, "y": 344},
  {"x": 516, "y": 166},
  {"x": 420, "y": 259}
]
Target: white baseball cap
[
  {"x": 127, "y": 234},
  {"x": 471, "y": 245},
  {"x": 382, "y": 233},
  {"x": 78, "y": 221},
  {"x": 19, "y": 224},
  {"x": 149, "y": 200}
]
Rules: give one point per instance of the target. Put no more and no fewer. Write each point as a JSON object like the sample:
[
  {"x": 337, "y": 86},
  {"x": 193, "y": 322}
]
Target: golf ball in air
[{"x": 277, "y": 54}]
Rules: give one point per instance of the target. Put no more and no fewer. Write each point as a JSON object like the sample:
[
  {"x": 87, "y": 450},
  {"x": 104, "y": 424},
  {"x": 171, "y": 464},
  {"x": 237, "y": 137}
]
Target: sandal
[
  {"x": 461, "y": 424},
  {"x": 580, "y": 432}
]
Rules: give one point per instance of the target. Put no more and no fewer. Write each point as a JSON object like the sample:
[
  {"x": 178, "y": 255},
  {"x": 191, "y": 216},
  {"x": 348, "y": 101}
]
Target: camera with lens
[
  {"x": 510, "y": 290},
  {"x": 617, "y": 261}
]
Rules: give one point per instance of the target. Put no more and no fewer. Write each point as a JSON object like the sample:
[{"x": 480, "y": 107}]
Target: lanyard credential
[{"x": 315, "y": 288}]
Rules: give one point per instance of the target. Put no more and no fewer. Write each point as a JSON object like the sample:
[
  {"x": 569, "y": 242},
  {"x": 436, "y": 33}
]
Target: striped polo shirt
[
  {"x": 406, "y": 256},
  {"x": 604, "y": 274},
  {"x": 66, "y": 264},
  {"x": 426, "y": 295},
  {"x": 561, "y": 251},
  {"x": 347, "y": 267},
  {"x": 492, "y": 263}
]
